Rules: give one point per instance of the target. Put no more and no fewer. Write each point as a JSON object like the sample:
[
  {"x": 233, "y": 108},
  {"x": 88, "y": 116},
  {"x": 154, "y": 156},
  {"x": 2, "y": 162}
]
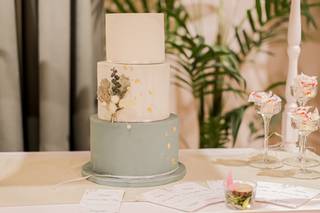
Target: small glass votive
[{"x": 240, "y": 195}]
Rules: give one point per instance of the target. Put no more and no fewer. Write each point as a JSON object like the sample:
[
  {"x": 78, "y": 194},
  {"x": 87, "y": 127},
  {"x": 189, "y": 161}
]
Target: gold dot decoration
[
  {"x": 149, "y": 109},
  {"x": 150, "y": 92},
  {"x": 137, "y": 81},
  {"x": 173, "y": 161},
  {"x": 125, "y": 67},
  {"x": 129, "y": 126},
  {"x": 174, "y": 129},
  {"x": 169, "y": 145}
]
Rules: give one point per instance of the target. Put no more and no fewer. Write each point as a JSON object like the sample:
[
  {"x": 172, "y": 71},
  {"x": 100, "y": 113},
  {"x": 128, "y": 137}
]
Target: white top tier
[{"x": 135, "y": 38}]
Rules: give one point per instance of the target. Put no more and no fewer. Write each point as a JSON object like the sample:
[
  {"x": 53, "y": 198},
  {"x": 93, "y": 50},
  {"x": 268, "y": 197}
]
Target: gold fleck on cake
[
  {"x": 173, "y": 161},
  {"x": 137, "y": 81},
  {"x": 149, "y": 109},
  {"x": 125, "y": 67},
  {"x": 169, "y": 145}
]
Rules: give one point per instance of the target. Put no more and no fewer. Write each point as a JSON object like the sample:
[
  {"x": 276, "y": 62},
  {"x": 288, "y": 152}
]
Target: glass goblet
[
  {"x": 267, "y": 111},
  {"x": 305, "y": 127},
  {"x": 302, "y": 96}
]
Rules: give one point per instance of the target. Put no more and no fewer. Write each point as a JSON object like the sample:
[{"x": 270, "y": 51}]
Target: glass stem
[
  {"x": 303, "y": 141},
  {"x": 266, "y": 124},
  {"x": 301, "y": 103},
  {"x": 301, "y": 149}
]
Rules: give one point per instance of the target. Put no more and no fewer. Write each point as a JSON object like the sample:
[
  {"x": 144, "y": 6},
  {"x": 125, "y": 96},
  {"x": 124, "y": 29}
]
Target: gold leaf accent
[
  {"x": 169, "y": 145},
  {"x": 173, "y": 161},
  {"x": 150, "y": 92},
  {"x": 174, "y": 129},
  {"x": 125, "y": 67},
  {"x": 137, "y": 81},
  {"x": 149, "y": 109}
]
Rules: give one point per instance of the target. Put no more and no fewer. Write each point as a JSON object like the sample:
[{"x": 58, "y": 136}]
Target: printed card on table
[
  {"x": 186, "y": 197},
  {"x": 102, "y": 200},
  {"x": 284, "y": 194}
]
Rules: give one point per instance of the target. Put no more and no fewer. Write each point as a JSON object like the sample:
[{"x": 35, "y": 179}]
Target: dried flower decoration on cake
[
  {"x": 103, "y": 91},
  {"x": 111, "y": 93}
]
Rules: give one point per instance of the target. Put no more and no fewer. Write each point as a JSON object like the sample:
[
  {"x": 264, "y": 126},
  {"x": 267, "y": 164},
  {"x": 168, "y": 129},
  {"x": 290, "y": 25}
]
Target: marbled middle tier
[
  {"x": 134, "y": 149},
  {"x": 133, "y": 93}
]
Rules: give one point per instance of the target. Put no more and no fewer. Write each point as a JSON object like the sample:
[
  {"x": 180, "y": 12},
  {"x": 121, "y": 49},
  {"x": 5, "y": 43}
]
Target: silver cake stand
[{"x": 119, "y": 181}]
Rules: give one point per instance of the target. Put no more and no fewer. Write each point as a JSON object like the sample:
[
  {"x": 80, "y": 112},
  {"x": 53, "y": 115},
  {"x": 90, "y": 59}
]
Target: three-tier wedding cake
[{"x": 134, "y": 138}]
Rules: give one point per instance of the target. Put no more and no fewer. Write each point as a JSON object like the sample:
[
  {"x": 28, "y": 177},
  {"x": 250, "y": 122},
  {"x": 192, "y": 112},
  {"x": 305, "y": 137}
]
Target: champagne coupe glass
[
  {"x": 305, "y": 124},
  {"x": 267, "y": 109},
  {"x": 302, "y": 92}
]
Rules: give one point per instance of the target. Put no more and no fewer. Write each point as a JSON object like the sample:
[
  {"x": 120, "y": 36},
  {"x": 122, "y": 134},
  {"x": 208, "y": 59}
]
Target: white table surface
[{"x": 27, "y": 182}]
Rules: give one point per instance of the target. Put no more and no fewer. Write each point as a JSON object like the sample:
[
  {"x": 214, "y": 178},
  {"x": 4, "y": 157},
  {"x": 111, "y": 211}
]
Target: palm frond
[{"x": 270, "y": 18}]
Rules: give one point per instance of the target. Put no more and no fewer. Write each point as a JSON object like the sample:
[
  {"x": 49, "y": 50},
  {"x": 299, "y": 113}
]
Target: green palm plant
[{"x": 211, "y": 70}]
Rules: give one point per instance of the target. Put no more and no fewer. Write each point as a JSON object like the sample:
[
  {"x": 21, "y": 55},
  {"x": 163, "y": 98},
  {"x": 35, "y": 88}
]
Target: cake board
[{"x": 101, "y": 179}]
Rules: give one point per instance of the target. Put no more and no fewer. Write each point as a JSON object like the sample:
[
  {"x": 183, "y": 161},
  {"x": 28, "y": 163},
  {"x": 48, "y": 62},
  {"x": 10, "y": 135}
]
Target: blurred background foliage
[{"x": 211, "y": 70}]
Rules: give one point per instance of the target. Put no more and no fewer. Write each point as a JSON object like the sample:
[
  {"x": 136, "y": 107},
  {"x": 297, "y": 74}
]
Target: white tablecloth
[{"x": 28, "y": 181}]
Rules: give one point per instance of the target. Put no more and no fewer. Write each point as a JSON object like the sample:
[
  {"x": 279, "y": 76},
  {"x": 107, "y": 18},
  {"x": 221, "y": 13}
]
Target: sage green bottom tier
[
  {"x": 136, "y": 149},
  {"x": 175, "y": 175}
]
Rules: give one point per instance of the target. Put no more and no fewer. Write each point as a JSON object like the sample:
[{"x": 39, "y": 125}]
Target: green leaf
[
  {"x": 234, "y": 118},
  {"x": 276, "y": 84},
  {"x": 131, "y": 6},
  {"x": 213, "y": 91},
  {"x": 145, "y": 5},
  {"x": 183, "y": 80},
  {"x": 214, "y": 133},
  {"x": 251, "y": 22},
  {"x": 120, "y": 8},
  {"x": 240, "y": 42},
  {"x": 268, "y": 8},
  {"x": 259, "y": 11},
  {"x": 247, "y": 39},
  {"x": 277, "y": 7}
]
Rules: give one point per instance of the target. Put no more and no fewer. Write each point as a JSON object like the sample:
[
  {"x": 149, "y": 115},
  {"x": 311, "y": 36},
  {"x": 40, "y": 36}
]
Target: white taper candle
[{"x": 294, "y": 38}]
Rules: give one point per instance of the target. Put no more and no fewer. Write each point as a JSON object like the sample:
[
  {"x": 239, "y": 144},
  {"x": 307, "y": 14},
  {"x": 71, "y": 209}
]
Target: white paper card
[
  {"x": 217, "y": 187},
  {"x": 102, "y": 200},
  {"x": 283, "y": 194},
  {"x": 186, "y": 196}
]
